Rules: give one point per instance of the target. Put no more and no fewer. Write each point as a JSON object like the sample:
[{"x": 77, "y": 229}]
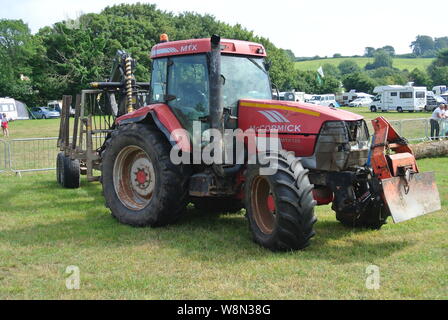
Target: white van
[
  {"x": 398, "y": 98},
  {"x": 8, "y": 106},
  {"x": 326, "y": 100}
]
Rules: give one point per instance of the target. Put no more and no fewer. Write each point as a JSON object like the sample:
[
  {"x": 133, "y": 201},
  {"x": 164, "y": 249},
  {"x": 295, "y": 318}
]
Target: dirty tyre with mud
[
  {"x": 141, "y": 186},
  {"x": 280, "y": 206}
]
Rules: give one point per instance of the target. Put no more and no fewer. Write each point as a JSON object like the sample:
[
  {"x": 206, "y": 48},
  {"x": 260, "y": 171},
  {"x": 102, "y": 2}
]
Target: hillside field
[{"x": 400, "y": 63}]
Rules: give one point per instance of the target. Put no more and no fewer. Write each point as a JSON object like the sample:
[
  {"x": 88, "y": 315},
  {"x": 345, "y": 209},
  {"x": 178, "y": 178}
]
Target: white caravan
[
  {"x": 345, "y": 98},
  {"x": 8, "y": 107},
  {"x": 399, "y": 98}
]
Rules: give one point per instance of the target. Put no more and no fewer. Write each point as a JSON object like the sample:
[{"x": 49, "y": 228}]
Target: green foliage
[
  {"x": 66, "y": 57},
  {"x": 420, "y": 78},
  {"x": 331, "y": 70},
  {"x": 359, "y": 81},
  {"x": 381, "y": 59},
  {"x": 348, "y": 67},
  {"x": 17, "y": 48}
]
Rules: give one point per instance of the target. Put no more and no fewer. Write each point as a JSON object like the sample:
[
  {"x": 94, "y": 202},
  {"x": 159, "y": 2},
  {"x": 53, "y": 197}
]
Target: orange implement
[{"x": 406, "y": 192}]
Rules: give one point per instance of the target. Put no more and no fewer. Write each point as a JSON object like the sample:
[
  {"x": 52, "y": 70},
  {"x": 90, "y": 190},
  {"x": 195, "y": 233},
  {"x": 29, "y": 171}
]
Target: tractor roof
[{"x": 194, "y": 46}]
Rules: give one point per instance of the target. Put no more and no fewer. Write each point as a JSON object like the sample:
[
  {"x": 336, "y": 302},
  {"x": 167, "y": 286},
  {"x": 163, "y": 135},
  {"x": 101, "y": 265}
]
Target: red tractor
[{"x": 326, "y": 155}]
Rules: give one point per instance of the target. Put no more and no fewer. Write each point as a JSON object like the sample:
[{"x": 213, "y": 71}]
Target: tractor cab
[{"x": 183, "y": 73}]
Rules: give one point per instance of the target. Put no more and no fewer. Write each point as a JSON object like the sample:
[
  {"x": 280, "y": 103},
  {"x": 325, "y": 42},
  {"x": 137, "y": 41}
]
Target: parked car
[
  {"x": 433, "y": 101},
  {"x": 360, "y": 102},
  {"x": 57, "y": 106},
  {"x": 326, "y": 100},
  {"x": 44, "y": 113}
]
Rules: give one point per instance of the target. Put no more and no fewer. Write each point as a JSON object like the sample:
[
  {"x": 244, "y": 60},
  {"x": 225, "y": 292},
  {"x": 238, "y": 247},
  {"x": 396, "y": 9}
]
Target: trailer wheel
[
  {"x": 373, "y": 109},
  {"x": 59, "y": 166},
  {"x": 280, "y": 207},
  {"x": 400, "y": 109},
  {"x": 68, "y": 172},
  {"x": 217, "y": 205},
  {"x": 141, "y": 186}
]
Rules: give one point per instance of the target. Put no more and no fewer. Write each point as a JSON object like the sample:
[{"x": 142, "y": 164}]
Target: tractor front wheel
[
  {"x": 140, "y": 183},
  {"x": 280, "y": 206}
]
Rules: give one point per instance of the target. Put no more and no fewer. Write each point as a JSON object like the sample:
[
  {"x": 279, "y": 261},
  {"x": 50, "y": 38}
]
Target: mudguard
[{"x": 164, "y": 119}]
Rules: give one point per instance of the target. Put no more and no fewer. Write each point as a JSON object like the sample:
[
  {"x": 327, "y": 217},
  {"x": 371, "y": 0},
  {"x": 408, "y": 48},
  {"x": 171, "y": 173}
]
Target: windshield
[
  {"x": 316, "y": 98},
  {"x": 244, "y": 78}
]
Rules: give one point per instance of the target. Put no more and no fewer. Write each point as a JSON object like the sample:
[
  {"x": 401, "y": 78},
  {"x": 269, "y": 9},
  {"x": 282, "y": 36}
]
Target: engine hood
[{"x": 289, "y": 117}]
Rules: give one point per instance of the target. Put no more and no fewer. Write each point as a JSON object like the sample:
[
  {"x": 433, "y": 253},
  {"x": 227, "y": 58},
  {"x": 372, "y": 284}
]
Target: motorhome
[
  {"x": 439, "y": 90},
  {"x": 398, "y": 98}
]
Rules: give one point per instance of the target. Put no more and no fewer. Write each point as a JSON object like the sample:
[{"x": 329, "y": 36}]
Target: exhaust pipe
[{"x": 216, "y": 105}]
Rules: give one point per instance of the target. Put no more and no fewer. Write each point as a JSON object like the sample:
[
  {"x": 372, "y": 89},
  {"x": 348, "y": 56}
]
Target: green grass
[
  {"x": 400, "y": 63},
  {"x": 44, "y": 229}
]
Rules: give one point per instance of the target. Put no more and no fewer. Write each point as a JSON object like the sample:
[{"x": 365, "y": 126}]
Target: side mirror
[{"x": 169, "y": 97}]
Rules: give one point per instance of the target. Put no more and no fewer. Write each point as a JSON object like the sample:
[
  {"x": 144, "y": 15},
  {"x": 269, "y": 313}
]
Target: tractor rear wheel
[
  {"x": 280, "y": 207},
  {"x": 141, "y": 185},
  {"x": 217, "y": 205},
  {"x": 68, "y": 173}
]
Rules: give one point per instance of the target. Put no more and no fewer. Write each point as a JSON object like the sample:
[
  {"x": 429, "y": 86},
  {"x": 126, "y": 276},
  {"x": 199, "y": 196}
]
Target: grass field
[
  {"x": 400, "y": 63},
  {"x": 44, "y": 229}
]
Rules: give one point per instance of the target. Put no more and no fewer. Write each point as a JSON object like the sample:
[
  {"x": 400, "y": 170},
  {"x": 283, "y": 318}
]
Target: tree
[
  {"x": 369, "y": 52},
  {"x": 360, "y": 82},
  {"x": 290, "y": 54},
  {"x": 438, "y": 70},
  {"x": 331, "y": 70},
  {"x": 441, "y": 43},
  {"x": 382, "y": 59},
  {"x": 422, "y": 45},
  {"x": 389, "y": 49},
  {"x": 16, "y": 51},
  {"x": 420, "y": 78},
  {"x": 337, "y": 55},
  {"x": 348, "y": 67}
]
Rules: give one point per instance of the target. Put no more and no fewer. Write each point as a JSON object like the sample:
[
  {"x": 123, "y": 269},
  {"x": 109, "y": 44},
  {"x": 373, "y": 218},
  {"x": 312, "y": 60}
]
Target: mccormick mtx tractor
[{"x": 324, "y": 155}]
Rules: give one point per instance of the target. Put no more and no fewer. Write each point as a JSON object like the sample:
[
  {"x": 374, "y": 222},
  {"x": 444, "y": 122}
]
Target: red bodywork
[
  {"x": 298, "y": 124},
  {"x": 166, "y": 117},
  {"x": 195, "y": 46}
]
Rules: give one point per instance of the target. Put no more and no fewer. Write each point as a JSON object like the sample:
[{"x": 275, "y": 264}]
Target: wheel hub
[
  {"x": 134, "y": 177},
  {"x": 263, "y": 205}
]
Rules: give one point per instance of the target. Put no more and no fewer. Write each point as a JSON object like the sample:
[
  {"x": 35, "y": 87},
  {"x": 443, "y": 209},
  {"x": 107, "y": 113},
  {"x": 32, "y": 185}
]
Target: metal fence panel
[
  {"x": 4, "y": 156},
  {"x": 33, "y": 154}
]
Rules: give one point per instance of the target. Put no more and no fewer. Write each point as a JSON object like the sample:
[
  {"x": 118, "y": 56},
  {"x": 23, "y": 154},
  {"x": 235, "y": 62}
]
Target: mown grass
[
  {"x": 44, "y": 229},
  {"x": 400, "y": 63}
]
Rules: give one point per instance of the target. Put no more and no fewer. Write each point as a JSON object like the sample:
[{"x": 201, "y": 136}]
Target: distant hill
[{"x": 400, "y": 63}]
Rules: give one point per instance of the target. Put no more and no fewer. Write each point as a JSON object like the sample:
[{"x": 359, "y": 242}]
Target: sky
[{"x": 308, "y": 28}]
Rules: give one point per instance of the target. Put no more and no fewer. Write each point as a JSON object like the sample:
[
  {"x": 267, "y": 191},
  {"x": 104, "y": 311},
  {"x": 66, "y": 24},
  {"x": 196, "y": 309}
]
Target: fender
[{"x": 164, "y": 119}]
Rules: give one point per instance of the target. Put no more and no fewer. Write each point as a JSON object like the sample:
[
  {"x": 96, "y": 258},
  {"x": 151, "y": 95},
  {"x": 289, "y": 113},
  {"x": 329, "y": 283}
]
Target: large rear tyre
[
  {"x": 68, "y": 173},
  {"x": 141, "y": 185},
  {"x": 217, "y": 205},
  {"x": 280, "y": 207}
]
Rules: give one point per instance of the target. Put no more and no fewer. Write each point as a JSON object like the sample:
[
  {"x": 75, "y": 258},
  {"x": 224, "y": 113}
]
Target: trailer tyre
[
  {"x": 68, "y": 172},
  {"x": 280, "y": 207},
  {"x": 373, "y": 109},
  {"x": 141, "y": 186}
]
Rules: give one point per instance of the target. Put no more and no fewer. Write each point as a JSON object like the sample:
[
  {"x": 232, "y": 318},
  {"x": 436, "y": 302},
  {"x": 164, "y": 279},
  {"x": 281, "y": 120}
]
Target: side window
[
  {"x": 405, "y": 95},
  {"x": 158, "y": 80},
  {"x": 393, "y": 94},
  {"x": 420, "y": 94}
]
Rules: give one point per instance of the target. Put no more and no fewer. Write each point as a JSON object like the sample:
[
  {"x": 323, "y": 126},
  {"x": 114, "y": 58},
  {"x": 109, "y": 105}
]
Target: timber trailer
[{"x": 126, "y": 131}]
